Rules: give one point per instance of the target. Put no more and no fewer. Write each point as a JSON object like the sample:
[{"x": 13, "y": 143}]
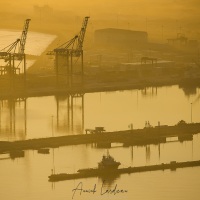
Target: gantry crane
[
  {"x": 75, "y": 45},
  {"x": 67, "y": 51},
  {"x": 9, "y": 53}
]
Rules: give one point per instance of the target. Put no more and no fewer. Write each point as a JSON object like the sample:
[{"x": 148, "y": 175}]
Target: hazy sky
[
  {"x": 147, "y": 15},
  {"x": 167, "y": 8}
]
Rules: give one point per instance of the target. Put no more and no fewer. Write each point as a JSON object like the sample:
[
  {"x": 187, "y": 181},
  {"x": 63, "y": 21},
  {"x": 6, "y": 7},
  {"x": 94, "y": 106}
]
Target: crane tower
[
  {"x": 14, "y": 58},
  {"x": 67, "y": 55},
  {"x": 24, "y": 36}
]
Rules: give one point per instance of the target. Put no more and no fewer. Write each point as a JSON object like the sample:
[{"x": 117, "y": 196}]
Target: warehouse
[{"x": 120, "y": 38}]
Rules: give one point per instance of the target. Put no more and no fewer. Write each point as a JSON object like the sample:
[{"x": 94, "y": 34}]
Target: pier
[
  {"x": 151, "y": 135},
  {"x": 96, "y": 172}
]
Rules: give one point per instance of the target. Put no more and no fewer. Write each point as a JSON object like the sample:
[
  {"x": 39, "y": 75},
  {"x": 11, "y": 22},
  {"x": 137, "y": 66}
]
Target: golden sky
[
  {"x": 167, "y": 8},
  {"x": 147, "y": 15}
]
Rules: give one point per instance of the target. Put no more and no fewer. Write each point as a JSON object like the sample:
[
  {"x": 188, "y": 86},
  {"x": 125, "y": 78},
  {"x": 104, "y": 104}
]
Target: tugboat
[
  {"x": 108, "y": 162},
  {"x": 106, "y": 167}
]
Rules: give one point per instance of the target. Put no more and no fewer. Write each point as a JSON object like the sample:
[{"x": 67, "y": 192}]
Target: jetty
[
  {"x": 99, "y": 173},
  {"x": 150, "y": 135}
]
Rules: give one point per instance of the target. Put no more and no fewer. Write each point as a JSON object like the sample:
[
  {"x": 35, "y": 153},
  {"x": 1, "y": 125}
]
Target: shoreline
[{"x": 46, "y": 86}]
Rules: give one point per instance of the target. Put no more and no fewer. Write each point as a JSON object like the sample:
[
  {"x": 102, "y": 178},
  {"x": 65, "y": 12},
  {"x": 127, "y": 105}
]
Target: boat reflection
[{"x": 109, "y": 179}]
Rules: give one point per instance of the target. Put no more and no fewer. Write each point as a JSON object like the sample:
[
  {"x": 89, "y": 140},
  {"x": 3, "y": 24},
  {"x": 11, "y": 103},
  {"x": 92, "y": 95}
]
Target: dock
[
  {"x": 98, "y": 173},
  {"x": 152, "y": 135}
]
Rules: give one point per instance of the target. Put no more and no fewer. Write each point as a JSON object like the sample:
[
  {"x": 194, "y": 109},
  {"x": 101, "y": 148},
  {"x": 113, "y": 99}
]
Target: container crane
[
  {"x": 9, "y": 48},
  {"x": 9, "y": 53},
  {"x": 75, "y": 45},
  {"x": 65, "y": 53}
]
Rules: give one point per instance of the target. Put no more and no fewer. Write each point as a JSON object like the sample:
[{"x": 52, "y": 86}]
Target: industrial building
[{"x": 120, "y": 38}]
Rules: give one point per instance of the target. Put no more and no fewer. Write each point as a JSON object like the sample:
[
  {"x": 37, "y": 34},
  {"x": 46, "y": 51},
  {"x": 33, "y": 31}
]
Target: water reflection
[
  {"x": 70, "y": 113},
  {"x": 109, "y": 179},
  {"x": 36, "y": 117},
  {"x": 13, "y": 118},
  {"x": 15, "y": 115},
  {"x": 149, "y": 91},
  {"x": 188, "y": 91},
  {"x": 31, "y": 172},
  {"x": 148, "y": 153}
]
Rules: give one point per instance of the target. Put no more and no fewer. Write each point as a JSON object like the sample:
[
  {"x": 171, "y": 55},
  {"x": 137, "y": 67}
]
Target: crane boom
[
  {"x": 23, "y": 36},
  {"x": 75, "y": 45},
  {"x": 11, "y": 47},
  {"x": 82, "y": 34}
]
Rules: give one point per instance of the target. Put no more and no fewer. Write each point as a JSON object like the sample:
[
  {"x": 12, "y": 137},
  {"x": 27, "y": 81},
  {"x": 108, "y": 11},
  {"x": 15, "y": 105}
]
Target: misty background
[{"x": 161, "y": 19}]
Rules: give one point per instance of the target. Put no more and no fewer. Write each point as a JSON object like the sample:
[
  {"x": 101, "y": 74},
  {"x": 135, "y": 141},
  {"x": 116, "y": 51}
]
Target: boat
[
  {"x": 105, "y": 166},
  {"x": 108, "y": 162}
]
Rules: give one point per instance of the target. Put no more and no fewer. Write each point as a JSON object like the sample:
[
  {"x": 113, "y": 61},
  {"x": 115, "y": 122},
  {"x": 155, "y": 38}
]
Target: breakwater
[
  {"x": 152, "y": 135},
  {"x": 97, "y": 172}
]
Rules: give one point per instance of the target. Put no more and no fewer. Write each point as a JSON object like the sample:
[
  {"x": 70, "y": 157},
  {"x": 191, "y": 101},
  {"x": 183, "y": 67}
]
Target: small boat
[
  {"x": 108, "y": 162},
  {"x": 105, "y": 166}
]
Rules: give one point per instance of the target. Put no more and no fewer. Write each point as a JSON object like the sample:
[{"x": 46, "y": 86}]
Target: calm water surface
[
  {"x": 27, "y": 178},
  {"x": 37, "y": 117}
]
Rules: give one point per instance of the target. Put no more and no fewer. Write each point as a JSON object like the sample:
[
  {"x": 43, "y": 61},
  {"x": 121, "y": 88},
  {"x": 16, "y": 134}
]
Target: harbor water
[
  {"x": 27, "y": 177},
  {"x": 37, "y": 117},
  {"x": 49, "y": 116}
]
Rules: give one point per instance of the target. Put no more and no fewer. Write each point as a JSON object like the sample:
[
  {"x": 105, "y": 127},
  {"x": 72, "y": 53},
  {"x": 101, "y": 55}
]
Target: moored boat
[{"x": 106, "y": 165}]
